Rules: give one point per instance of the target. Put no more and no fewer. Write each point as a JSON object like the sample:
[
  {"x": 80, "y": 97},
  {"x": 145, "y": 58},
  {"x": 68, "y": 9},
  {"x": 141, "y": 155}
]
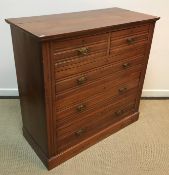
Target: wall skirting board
[
  {"x": 9, "y": 92},
  {"x": 146, "y": 92},
  {"x": 155, "y": 93}
]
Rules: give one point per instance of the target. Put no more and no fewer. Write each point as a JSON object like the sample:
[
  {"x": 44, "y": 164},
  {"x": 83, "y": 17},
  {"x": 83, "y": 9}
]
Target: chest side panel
[{"x": 29, "y": 69}]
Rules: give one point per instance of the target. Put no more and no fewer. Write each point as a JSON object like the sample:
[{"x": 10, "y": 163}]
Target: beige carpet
[{"x": 140, "y": 149}]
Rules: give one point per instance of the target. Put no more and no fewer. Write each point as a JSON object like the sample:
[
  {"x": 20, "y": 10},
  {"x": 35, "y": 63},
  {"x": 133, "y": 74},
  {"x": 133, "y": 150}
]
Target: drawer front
[
  {"x": 98, "y": 120},
  {"x": 138, "y": 30},
  {"x": 81, "y": 52},
  {"x": 128, "y": 41},
  {"x": 69, "y": 44},
  {"x": 85, "y": 78},
  {"x": 76, "y": 96},
  {"x": 86, "y": 108},
  {"x": 132, "y": 49}
]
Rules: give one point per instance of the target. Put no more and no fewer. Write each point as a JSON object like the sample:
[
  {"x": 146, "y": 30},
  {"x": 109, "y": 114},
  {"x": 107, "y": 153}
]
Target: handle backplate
[
  {"x": 81, "y": 80},
  {"x": 119, "y": 112},
  {"x": 123, "y": 89},
  {"x": 83, "y": 51},
  {"x": 80, "y": 132},
  {"x": 130, "y": 40},
  {"x": 81, "y": 108},
  {"x": 126, "y": 65}
]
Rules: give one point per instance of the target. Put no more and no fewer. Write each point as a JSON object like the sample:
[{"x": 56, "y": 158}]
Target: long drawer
[
  {"x": 76, "y": 96},
  {"x": 78, "y": 131},
  {"x": 86, "y": 104},
  {"x": 86, "y": 108},
  {"x": 85, "y": 78}
]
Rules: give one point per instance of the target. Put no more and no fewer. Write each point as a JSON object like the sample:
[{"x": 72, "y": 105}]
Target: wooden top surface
[{"x": 60, "y": 24}]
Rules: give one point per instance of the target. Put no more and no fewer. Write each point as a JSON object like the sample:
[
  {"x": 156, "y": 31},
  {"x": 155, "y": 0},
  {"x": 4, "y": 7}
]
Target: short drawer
[
  {"x": 81, "y": 52},
  {"x": 132, "y": 49},
  {"x": 128, "y": 41},
  {"x": 85, "y": 78},
  {"x": 97, "y": 121},
  {"x": 127, "y": 32},
  {"x": 74, "y": 43},
  {"x": 76, "y": 96}
]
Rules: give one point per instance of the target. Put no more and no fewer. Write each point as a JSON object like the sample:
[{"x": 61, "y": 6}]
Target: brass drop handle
[
  {"x": 81, "y": 80},
  {"x": 80, "y": 132},
  {"x": 81, "y": 108},
  {"x": 83, "y": 51},
  {"x": 130, "y": 40},
  {"x": 126, "y": 65},
  {"x": 123, "y": 89},
  {"x": 119, "y": 112}
]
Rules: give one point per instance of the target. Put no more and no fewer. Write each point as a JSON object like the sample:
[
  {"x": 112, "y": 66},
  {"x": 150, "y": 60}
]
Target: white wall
[{"x": 156, "y": 82}]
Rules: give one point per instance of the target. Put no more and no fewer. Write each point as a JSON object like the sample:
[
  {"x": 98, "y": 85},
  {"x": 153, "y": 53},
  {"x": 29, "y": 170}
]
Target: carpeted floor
[{"x": 140, "y": 149}]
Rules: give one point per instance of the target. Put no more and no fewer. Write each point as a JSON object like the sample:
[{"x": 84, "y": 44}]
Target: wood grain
[{"x": 60, "y": 24}]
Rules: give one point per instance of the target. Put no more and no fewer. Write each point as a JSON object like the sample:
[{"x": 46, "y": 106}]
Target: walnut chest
[{"x": 80, "y": 77}]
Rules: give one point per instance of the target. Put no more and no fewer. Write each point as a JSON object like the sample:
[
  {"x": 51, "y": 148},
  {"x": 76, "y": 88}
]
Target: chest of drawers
[{"x": 80, "y": 77}]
